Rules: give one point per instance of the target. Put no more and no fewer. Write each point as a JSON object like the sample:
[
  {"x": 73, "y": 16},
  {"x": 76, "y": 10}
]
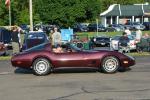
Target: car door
[
  {"x": 68, "y": 59},
  {"x": 90, "y": 58}
]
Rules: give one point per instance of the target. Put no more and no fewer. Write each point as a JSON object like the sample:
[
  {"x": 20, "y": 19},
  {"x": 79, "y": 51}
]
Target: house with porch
[{"x": 121, "y": 14}]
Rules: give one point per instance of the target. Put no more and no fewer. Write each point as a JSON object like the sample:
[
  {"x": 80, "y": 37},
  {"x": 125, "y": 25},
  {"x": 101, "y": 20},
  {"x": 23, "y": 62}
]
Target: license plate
[{"x": 102, "y": 43}]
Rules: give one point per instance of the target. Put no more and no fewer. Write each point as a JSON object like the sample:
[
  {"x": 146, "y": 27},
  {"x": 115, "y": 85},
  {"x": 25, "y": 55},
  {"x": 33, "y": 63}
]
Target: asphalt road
[{"x": 20, "y": 84}]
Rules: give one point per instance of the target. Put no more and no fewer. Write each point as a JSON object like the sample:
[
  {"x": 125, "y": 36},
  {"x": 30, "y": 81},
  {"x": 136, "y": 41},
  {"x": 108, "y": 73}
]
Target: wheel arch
[
  {"x": 42, "y": 56},
  {"x": 105, "y": 56}
]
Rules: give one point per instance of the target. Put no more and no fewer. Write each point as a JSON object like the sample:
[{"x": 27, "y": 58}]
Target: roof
[{"x": 126, "y": 10}]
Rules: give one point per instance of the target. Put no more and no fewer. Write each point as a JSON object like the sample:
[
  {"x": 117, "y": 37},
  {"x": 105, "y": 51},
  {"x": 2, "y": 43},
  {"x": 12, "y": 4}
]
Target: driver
[{"x": 58, "y": 49}]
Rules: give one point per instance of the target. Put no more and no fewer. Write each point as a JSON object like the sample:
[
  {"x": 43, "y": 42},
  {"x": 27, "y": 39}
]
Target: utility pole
[
  {"x": 10, "y": 14},
  {"x": 31, "y": 16},
  {"x": 97, "y": 26}
]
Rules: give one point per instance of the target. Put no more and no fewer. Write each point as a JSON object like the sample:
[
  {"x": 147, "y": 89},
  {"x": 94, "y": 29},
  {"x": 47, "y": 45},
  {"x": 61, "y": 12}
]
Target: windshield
[
  {"x": 131, "y": 37},
  {"x": 73, "y": 46},
  {"x": 116, "y": 38},
  {"x": 102, "y": 39}
]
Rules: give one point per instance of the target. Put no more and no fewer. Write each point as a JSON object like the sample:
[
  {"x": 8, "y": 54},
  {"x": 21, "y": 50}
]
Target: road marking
[{"x": 5, "y": 73}]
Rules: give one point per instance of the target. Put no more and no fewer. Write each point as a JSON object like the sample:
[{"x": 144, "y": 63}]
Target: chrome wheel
[
  {"x": 110, "y": 65},
  {"x": 41, "y": 66}
]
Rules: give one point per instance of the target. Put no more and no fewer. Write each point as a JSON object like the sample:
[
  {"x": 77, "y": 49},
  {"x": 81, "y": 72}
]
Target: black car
[
  {"x": 5, "y": 41},
  {"x": 115, "y": 28},
  {"x": 95, "y": 27},
  {"x": 101, "y": 41},
  {"x": 134, "y": 25},
  {"x": 79, "y": 27},
  {"x": 5, "y": 36},
  {"x": 147, "y": 25},
  {"x": 34, "y": 38}
]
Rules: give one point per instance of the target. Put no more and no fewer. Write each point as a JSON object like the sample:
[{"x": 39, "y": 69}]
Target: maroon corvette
[{"x": 43, "y": 60}]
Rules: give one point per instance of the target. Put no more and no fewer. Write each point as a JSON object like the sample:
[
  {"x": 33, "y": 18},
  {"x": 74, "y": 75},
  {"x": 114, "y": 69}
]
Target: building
[{"x": 121, "y": 14}]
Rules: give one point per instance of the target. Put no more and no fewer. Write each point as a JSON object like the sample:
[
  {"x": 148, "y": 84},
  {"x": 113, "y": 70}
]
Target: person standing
[
  {"x": 127, "y": 31},
  {"x": 138, "y": 35},
  {"x": 16, "y": 40},
  {"x": 56, "y": 37},
  {"x": 50, "y": 35},
  {"x": 123, "y": 43}
]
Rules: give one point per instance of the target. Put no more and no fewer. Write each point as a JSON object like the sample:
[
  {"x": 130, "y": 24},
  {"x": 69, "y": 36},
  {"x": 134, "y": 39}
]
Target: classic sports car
[{"x": 42, "y": 59}]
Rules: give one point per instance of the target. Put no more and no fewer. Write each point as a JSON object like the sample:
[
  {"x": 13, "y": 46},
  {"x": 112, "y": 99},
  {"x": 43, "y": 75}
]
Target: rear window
[
  {"x": 36, "y": 36},
  {"x": 116, "y": 38}
]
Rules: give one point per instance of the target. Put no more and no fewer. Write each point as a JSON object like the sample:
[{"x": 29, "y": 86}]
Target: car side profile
[{"x": 43, "y": 60}]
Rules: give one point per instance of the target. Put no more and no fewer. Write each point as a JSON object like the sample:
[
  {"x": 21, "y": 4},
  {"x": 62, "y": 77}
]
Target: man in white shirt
[
  {"x": 138, "y": 35},
  {"x": 56, "y": 37},
  {"x": 127, "y": 31}
]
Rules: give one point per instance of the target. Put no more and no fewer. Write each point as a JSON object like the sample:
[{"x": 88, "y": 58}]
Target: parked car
[
  {"x": 24, "y": 27},
  {"x": 134, "y": 25},
  {"x": 147, "y": 25},
  {"x": 2, "y": 49},
  {"x": 115, "y": 28},
  {"x": 80, "y": 27},
  {"x": 34, "y": 38},
  {"x": 94, "y": 28},
  {"x": 5, "y": 38},
  {"x": 101, "y": 41},
  {"x": 42, "y": 60},
  {"x": 115, "y": 42}
]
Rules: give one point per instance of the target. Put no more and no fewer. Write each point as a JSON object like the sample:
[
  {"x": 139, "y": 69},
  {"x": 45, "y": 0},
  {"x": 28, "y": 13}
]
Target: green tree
[
  {"x": 4, "y": 13},
  {"x": 66, "y": 12}
]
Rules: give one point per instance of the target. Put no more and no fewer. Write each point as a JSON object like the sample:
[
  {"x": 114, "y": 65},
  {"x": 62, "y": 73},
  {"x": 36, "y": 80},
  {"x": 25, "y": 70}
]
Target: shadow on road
[
  {"x": 23, "y": 71},
  {"x": 61, "y": 71}
]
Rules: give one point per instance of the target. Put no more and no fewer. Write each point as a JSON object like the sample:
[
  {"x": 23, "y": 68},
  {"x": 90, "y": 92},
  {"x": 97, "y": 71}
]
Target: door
[
  {"x": 90, "y": 59},
  {"x": 69, "y": 59}
]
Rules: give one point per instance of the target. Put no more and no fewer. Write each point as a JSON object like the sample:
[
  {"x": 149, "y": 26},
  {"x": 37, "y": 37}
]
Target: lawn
[{"x": 111, "y": 34}]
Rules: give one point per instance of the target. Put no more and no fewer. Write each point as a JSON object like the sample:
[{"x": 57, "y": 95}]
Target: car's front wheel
[
  {"x": 41, "y": 67},
  {"x": 110, "y": 65}
]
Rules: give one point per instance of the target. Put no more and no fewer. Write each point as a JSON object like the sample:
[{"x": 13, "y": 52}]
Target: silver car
[{"x": 114, "y": 44}]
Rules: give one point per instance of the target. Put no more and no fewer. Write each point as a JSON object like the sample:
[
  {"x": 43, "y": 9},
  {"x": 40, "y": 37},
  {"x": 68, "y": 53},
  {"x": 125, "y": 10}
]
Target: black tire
[
  {"x": 110, "y": 65},
  {"x": 41, "y": 67}
]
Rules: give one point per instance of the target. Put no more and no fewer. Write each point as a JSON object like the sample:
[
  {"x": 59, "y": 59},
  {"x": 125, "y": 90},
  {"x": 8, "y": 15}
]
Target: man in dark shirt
[
  {"x": 15, "y": 40},
  {"x": 123, "y": 42}
]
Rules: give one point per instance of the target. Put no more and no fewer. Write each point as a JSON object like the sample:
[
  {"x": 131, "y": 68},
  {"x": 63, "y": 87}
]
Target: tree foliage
[
  {"x": 67, "y": 12},
  {"x": 62, "y": 12}
]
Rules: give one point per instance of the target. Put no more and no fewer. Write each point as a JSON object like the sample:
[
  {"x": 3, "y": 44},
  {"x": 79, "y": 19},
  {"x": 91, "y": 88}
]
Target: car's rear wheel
[
  {"x": 41, "y": 67},
  {"x": 110, "y": 65}
]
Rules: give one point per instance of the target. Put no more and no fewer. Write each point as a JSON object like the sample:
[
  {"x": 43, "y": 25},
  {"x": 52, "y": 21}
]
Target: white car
[{"x": 115, "y": 41}]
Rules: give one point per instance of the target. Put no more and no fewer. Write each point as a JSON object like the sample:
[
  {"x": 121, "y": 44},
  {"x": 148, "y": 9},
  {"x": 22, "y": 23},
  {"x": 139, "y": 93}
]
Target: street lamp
[{"x": 31, "y": 17}]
